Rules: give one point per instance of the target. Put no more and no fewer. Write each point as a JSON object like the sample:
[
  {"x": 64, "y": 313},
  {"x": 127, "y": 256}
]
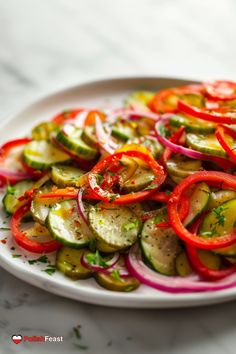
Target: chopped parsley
[
  {"x": 50, "y": 270},
  {"x": 116, "y": 274},
  {"x": 16, "y": 255},
  {"x": 95, "y": 259},
  {"x": 219, "y": 215},
  {"x": 77, "y": 331},
  {"x": 131, "y": 225},
  {"x": 41, "y": 259},
  {"x": 5, "y": 228}
]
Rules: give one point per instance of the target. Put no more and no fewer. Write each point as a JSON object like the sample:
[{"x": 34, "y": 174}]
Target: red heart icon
[{"x": 16, "y": 338}]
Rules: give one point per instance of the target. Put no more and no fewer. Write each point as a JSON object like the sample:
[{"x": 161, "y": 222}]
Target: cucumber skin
[
  {"x": 207, "y": 150},
  {"x": 110, "y": 246},
  {"x": 40, "y": 165},
  {"x": 62, "y": 268},
  {"x": 85, "y": 152},
  {"x": 62, "y": 240},
  {"x": 178, "y": 121}
]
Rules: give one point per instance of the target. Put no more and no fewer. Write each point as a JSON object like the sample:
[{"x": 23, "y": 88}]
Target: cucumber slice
[
  {"x": 140, "y": 180},
  {"x": 194, "y": 99},
  {"x": 153, "y": 146},
  {"x": 38, "y": 232},
  {"x": 183, "y": 268},
  {"x": 209, "y": 259},
  {"x": 207, "y": 144},
  {"x": 144, "y": 126},
  {"x": 182, "y": 166},
  {"x": 43, "y": 154},
  {"x": 192, "y": 124},
  {"x": 43, "y": 130},
  {"x": 115, "y": 225},
  {"x": 104, "y": 247},
  {"x": 63, "y": 175},
  {"x": 143, "y": 97},
  {"x": 115, "y": 282},
  {"x": 198, "y": 202},
  {"x": 10, "y": 200},
  {"x": 40, "y": 207},
  {"x": 67, "y": 226},
  {"x": 219, "y": 197},
  {"x": 124, "y": 131},
  {"x": 73, "y": 142},
  {"x": 68, "y": 262},
  {"x": 221, "y": 221},
  {"x": 160, "y": 246},
  {"x": 89, "y": 137}
]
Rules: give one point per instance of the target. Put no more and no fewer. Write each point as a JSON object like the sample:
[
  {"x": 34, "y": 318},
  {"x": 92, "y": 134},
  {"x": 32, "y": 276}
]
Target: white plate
[{"x": 100, "y": 93}]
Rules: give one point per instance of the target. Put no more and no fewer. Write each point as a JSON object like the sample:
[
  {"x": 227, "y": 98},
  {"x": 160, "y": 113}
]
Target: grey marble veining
[{"x": 48, "y": 44}]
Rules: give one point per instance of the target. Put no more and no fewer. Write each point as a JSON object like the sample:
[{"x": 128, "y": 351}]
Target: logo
[{"x": 16, "y": 338}]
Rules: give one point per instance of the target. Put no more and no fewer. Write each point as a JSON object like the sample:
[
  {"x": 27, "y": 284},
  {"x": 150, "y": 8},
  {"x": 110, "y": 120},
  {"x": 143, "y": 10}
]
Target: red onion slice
[
  {"x": 172, "y": 284},
  {"x": 81, "y": 208},
  {"x": 103, "y": 138},
  {"x": 97, "y": 268},
  {"x": 189, "y": 152}
]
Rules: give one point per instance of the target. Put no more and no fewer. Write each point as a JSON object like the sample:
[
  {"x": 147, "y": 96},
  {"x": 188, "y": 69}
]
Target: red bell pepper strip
[
  {"x": 192, "y": 239},
  {"x": 62, "y": 117},
  {"x": 221, "y": 132},
  {"x": 22, "y": 239},
  {"x": 221, "y": 90},
  {"x": 9, "y": 145},
  {"x": 111, "y": 197},
  {"x": 226, "y": 115},
  {"x": 203, "y": 270},
  {"x": 165, "y": 101}
]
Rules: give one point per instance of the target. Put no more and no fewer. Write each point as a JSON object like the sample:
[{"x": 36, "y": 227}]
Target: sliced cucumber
[
  {"x": 115, "y": 282},
  {"x": 44, "y": 130},
  {"x": 153, "y": 146},
  {"x": 68, "y": 261},
  {"x": 143, "y": 97},
  {"x": 115, "y": 225},
  {"x": 67, "y": 226},
  {"x": 182, "y": 166},
  {"x": 209, "y": 259},
  {"x": 207, "y": 144},
  {"x": 194, "y": 99},
  {"x": 198, "y": 202},
  {"x": 219, "y": 197},
  {"x": 10, "y": 200},
  {"x": 160, "y": 247},
  {"x": 73, "y": 142},
  {"x": 124, "y": 131},
  {"x": 140, "y": 180},
  {"x": 63, "y": 175},
  {"x": 38, "y": 232},
  {"x": 40, "y": 206},
  {"x": 183, "y": 268},
  {"x": 43, "y": 154},
  {"x": 144, "y": 126},
  {"x": 89, "y": 137},
  {"x": 192, "y": 124},
  {"x": 221, "y": 221}
]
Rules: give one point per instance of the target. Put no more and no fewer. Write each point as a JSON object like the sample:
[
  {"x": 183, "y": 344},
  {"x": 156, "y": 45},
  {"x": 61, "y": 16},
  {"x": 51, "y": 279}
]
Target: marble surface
[{"x": 49, "y": 44}]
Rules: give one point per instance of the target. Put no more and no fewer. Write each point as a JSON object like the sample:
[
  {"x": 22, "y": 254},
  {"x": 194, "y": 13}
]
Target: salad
[{"x": 142, "y": 194}]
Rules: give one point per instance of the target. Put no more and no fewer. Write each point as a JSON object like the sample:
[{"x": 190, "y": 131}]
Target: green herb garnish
[
  {"x": 41, "y": 259},
  {"x": 50, "y": 270},
  {"x": 95, "y": 259}
]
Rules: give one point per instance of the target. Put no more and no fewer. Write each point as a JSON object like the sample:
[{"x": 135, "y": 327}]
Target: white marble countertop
[{"x": 49, "y": 44}]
